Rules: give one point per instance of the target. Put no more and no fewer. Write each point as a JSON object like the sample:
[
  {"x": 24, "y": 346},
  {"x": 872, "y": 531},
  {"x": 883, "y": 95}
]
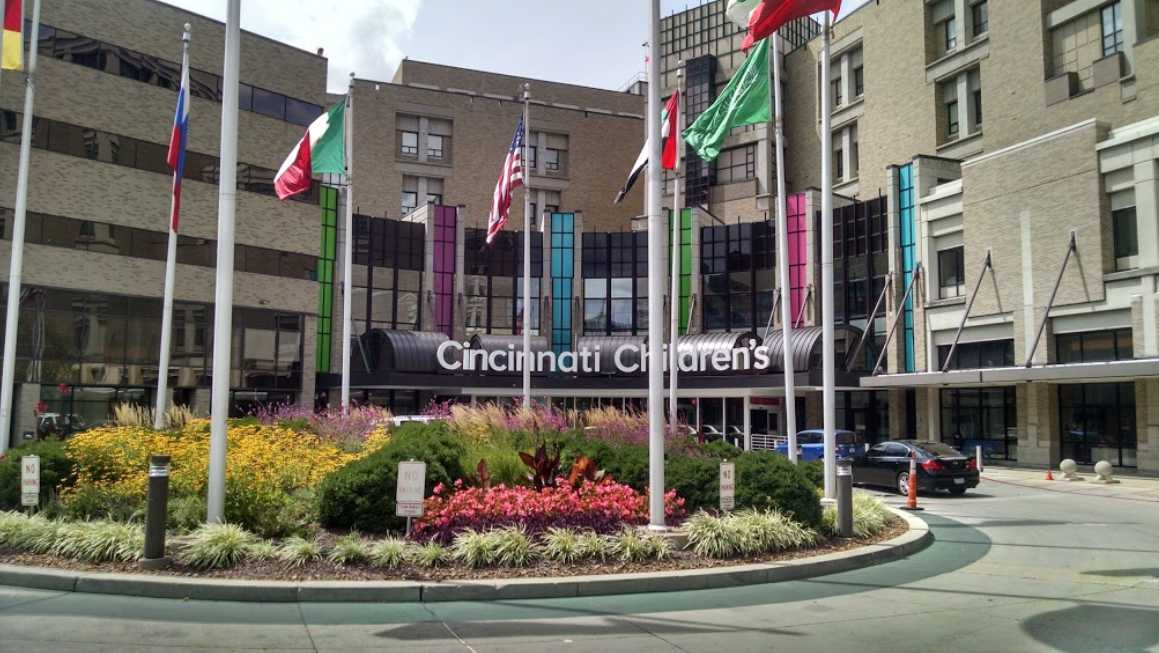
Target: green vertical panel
[
  {"x": 329, "y": 203},
  {"x": 685, "y": 269}
]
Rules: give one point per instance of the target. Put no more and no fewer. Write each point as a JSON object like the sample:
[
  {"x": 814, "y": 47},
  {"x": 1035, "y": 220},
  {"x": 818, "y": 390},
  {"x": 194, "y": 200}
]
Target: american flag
[{"x": 510, "y": 178}]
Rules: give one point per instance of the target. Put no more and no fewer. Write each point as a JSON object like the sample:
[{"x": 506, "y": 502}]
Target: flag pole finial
[{"x": 185, "y": 35}]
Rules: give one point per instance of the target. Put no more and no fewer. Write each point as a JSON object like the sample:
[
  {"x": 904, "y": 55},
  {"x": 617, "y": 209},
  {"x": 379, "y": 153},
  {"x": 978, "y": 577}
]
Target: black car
[{"x": 940, "y": 467}]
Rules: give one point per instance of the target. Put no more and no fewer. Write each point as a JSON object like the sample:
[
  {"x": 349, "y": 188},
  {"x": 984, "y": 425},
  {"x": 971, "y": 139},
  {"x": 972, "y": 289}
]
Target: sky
[{"x": 594, "y": 43}]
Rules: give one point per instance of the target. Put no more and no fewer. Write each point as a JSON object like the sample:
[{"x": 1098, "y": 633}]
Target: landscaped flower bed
[{"x": 510, "y": 492}]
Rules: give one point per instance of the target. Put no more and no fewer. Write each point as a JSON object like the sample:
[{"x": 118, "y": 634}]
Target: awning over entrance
[
  {"x": 1069, "y": 373},
  {"x": 400, "y": 351},
  {"x": 805, "y": 345}
]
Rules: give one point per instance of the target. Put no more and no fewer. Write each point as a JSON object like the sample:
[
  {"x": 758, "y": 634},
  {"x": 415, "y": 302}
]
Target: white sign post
[
  {"x": 408, "y": 494},
  {"x": 30, "y": 481},
  {"x": 727, "y": 485}
]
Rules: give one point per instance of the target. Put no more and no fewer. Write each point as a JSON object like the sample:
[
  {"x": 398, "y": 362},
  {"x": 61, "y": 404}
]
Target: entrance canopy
[{"x": 1124, "y": 370}]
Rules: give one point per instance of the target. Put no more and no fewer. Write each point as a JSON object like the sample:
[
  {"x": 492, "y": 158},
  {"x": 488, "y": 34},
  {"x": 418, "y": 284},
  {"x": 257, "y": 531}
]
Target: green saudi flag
[{"x": 745, "y": 101}]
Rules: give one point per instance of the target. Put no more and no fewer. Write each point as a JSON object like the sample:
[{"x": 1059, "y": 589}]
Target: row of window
[
  {"x": 1078, "y": 43},
  {"x": 107, "y": 238},
  {"x": 945, "y": 23},
  {"x": 1082, "y": 347},
  {"x": 615, "y": 271},
  {"x": 69, "y": 336},
  {"x": 123, "y": 62},
  {"x": 494, "y": 283},
  {"x": 96, "y": 145}
]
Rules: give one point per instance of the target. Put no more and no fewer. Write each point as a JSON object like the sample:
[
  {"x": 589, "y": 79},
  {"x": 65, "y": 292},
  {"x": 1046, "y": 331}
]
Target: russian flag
[{"x": 177, "y": 141}]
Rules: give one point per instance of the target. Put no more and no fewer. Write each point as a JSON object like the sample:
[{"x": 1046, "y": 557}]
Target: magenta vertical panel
[
  {"x": 798, "y": 250},
  {"x": 446, "y": 218}
]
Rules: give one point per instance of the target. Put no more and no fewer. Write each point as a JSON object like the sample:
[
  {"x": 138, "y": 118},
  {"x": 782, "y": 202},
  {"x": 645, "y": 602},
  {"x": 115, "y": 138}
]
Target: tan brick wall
[{"x": 601, "y": 150}]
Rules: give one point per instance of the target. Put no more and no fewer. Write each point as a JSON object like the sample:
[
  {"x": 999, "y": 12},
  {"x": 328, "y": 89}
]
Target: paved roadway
[{"x": 1013, "y": 569}]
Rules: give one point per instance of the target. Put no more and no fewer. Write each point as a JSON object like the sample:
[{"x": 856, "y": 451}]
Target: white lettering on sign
[
  {"x": 408, "y": 495},
  {"x": 727, "y": 485},
  {"x": 30, "y": 481}
]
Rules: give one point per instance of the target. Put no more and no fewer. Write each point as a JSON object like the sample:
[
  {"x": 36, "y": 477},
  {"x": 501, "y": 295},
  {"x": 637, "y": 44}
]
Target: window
[
  {"x": 1126, "y": 234},
  {"x": 1094, "y": 346},
  {"x": 838, "y": 160},
  {"x": 859, "y": 81},
  {"x": 551, "y": 160},
  {"x": 952, "y": 119},
  {"x": 434, "y": 146},
  {"x": 736, "y": 164},
  {"x": 1112, "y": 23},
  {"x": 977, "y": 355},
  {"x": 980, "y": 17},
  {"x": 408, "y": 143},
  {"x": 410, "y": 201},
  {"x": 981, "y": 417},
  {"x": 977, "y": 98},
  {"x": 1098, "y": 422},
  {"x": 949, "y": 34},
  {"x": 835, "y": 90},
  {"x": 951, "y": 276}
]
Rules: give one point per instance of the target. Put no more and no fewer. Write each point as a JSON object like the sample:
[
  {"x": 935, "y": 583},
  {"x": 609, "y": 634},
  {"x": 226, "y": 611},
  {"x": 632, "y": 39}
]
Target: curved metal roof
[
  {"x": 804, "y": 343},
  {"x": 606, "y": 347},
  {"x": 706, "y": 345},
  {"x": 490, "y": 343},
  {"x": 404, "y": 351}
]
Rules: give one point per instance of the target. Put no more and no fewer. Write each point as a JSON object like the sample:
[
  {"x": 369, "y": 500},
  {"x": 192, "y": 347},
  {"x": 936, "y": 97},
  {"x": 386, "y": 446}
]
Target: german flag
[{"x": 12, "y": 57}]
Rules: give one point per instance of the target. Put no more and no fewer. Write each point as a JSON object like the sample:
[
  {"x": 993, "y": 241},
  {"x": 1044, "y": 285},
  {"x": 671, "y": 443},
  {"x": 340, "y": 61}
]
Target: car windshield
[
  {"x": 810, "y": 437},
  {"x": 938, "y": 449}
]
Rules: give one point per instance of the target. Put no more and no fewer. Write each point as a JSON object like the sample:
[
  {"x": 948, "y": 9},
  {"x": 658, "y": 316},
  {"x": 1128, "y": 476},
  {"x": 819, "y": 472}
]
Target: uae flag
[
  {"x": 767, "y": 16},
  {"x": 13, "y": 54},
  {"x": 321, "y": 150},
  {"x": 668, "y": 120}
]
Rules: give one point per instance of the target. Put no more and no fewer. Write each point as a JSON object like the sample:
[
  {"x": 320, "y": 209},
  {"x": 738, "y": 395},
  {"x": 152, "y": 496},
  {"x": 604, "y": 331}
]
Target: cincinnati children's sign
[{"x": 629, "y": 358}]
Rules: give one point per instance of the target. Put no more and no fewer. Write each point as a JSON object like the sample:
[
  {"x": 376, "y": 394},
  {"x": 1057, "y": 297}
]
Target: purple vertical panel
[
  {"x": 798, "y": 250},
  {"x": 446, "y": 218}
]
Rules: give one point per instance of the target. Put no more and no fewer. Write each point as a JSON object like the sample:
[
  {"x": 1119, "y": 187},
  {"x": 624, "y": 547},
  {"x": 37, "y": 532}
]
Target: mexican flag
[{"x": 321, "y": 150}]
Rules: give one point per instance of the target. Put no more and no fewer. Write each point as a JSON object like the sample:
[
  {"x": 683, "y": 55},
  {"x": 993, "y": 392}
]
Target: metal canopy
[
  {"x": 1066, "y": 373},
  {"x": 402, "y": 351},
  {"x": 490, "y": 343},
  {"x": 804, "y": 345},
  {"x": 605, "y": 347}
]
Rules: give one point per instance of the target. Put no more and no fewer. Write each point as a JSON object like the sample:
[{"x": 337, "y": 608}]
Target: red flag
[
  {"x": 672, "y": 116},
  {"x": 770, "y": 15}
]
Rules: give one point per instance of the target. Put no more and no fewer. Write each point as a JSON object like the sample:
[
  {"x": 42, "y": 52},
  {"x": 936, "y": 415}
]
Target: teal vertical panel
[
  {"x": 908, "y": 237},
  {"x": 562, "y": 270}
]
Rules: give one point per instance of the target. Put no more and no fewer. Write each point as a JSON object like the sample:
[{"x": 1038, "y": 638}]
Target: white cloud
[{"x": 364, "y": 36}]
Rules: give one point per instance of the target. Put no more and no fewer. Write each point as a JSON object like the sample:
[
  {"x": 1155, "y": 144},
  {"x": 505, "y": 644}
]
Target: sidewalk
[{"x": 1132, "y": 488}]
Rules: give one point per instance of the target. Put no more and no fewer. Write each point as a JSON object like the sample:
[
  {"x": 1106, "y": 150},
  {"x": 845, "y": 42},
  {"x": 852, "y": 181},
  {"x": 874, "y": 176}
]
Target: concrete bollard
[
  {"x": 1068, "y": 467},
  {"x": 1104, "y": 470},
  {"x": 978, "y": 457}
]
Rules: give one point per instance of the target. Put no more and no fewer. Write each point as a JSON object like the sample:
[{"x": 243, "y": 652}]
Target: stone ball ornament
[
  {"x": 1104, "y": 470},
  {"x": 1068, "y": 467}
]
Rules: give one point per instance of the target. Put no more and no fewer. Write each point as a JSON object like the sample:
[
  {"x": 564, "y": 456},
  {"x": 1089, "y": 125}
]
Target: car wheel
[
  {"x": 903, "y": 483},
  {"x": 957, "y": 491}
]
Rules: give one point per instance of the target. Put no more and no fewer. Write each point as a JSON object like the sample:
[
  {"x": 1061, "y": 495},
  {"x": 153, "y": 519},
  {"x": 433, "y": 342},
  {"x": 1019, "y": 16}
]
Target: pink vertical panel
[{"x": 798, "y": 250}]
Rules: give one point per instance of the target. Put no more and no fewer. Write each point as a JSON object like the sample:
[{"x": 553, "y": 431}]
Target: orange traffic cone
[
  {"x": 911, "y": 501},
  {"x": 1049, "y": 476}
]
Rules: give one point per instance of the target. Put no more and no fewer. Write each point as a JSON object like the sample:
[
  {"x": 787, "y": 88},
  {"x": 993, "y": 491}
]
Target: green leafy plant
[
  {"x": 767, "y": 480},
  {"x": 218, "y": 546},
  {"x": 348, "y": 550},
  {"x": 634, "y": 545},
  {"x": 474, "y": 548},
  {"x": 390, "y": 553},
  {"x": 298, "y": 551},
  {"x": 429, "y": 555},
  {"x": 262, "y": 550},
  {"x": 97, "y": 541},
  {"x": 56, "y": 469},
  {"x": 590, "y": 545},
  {"x": 186, "y": 513},
  {"x": 34, "y": 534},
  {"x": 512, "y": 547},
  {"x": 746, "y": 532},
  {"x": 561, "y": 545},
  {"x": 710, "y": 536},
  {"x": 870, "y": 517}
]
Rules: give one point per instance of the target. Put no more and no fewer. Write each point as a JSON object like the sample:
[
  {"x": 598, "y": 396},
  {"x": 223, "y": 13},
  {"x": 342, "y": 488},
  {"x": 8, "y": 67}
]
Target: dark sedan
[{"x": 940, "y": 467}]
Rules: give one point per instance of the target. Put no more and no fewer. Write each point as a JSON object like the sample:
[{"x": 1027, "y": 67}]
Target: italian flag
[
  {"x": 12, "y": 57},
  {"x": 321, "y": 150}
]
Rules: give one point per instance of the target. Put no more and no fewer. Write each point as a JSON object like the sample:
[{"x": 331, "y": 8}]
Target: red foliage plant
[{"x": 602, "y": 507}]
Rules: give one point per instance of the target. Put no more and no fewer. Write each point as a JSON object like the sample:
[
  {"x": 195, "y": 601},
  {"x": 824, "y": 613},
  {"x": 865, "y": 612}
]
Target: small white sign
[
  {"x": 408, "y": 495},
  {"x": 727, "y": 485},
  {"x": 30, "y": 481}
]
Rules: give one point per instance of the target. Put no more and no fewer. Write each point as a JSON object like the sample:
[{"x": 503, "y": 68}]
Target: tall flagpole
[
  {"x": 223, "y": 292},
  {"x": 827, "y": 355},
  {"x": 675, "y": 253},
  {"x": 790, "y": 405},
  {"x": 162, "y": 400},
  {"x": 16, "y": 264},
  {"x": 655, "y": 360},
  {"x": 526, "y": 248},
  {"x": 348, "y": 245}
]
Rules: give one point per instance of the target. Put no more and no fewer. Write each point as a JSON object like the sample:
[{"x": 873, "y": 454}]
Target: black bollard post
[
  {"x": 156, "y": 513},
  {"x": 845, "y": 498}
]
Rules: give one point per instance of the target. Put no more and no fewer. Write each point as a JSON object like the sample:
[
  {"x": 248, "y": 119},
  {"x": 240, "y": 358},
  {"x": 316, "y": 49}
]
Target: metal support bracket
[
  {"x": 1072, "y": 248},
  {"x": 776, "y": 304},
  {"x": 865, "y": 332},
  {"x": 986, "y": 265},
  {"x": 801, "y": 309},
  {"x": 897, "y": 318}
]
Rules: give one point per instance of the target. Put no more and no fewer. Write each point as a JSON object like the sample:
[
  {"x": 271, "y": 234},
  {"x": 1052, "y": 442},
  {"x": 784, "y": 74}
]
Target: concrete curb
[{"x": 916, "y": 538}]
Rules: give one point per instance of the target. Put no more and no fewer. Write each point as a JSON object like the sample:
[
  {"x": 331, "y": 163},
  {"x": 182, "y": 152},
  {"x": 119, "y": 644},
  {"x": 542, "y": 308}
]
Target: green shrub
[
  {"x": 361, "y": 494},
  {"x": 512, "y": 547},
  {"x": 33, "y": 534},
  {"x": 503, "y": 463},
  {"x": 710, "y": 536},
  {"x": 473, "y": 548},
  {"x": 721, "y": 449},
  {"x": 218, "y": 546},
  {"x": 55, "y": 469},
  {"x": 561, "y": 545},
  {"x": 186, "y": 513},
  {"x": 262, "y": 550},
  {"x": 429, "y": 555},
  {"x": 97, "y": 501},
  {"x": 98, "y": 541},
  {"x": 590, "y": 545},
  {"x": 767, "y": 480},
  {"x": 298, "y": 551},
  {"x": 870, "y": 517},
  {"x": 697, "y": 480},
  {"x": 746, "y": 532},
  {"x": 634, "y": 545},
  {"x": 814, "y": 471},
  {"x": 390, "y": 553},
  {"x": 349, "y": 549},
  {"x": 625, "y": 463}
]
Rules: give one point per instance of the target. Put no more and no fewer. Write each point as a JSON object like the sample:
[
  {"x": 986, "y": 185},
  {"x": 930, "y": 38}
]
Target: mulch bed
[{"x": 276, "y": 570}]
